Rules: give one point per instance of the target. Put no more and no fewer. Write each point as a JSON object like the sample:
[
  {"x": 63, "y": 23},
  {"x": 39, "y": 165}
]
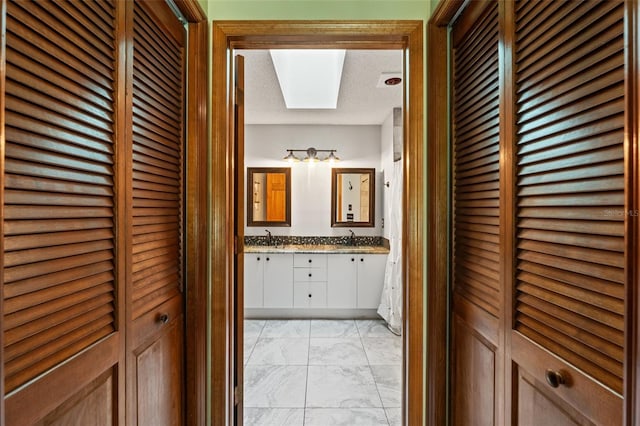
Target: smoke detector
[{"x": 389, "y": 79}]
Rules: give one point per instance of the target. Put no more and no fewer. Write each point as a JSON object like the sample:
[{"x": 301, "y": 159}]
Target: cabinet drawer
[
  {"x": 309, "y": 274},
  {"x": 310, "y": 295},
  {"x": 309, "y": 260}
]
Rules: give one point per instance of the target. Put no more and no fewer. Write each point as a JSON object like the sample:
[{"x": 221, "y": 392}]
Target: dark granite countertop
[{"x": 316, "y": 248}]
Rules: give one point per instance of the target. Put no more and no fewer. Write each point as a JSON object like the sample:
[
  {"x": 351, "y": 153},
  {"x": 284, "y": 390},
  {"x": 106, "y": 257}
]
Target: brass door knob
[{"x": 554, "y": 378}]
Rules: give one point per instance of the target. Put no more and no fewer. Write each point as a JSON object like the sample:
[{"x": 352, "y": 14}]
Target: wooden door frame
[
  {"x": 229, "y": 35},
  {"x": 438, "y": 211},
  {"x": 196, "y": 212}
]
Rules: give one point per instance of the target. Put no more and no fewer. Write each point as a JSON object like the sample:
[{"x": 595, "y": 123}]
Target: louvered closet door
[
  {"x": 155, "y": 302},
  {"x": 570, "y": 267},
  {"x": 476, "y": 259},
  {"x": 61, "y": 343}
]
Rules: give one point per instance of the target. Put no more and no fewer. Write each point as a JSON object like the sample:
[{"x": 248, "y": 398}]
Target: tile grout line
[
  {"x": 306, "y": 385},
  {"x": 384, "y": 411}
]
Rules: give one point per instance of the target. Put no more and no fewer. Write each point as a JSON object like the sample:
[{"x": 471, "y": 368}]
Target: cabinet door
[
  {"x": 341, "y": 281},
  {"x": 370, "y": 279},
  {"x": 309, "y": 274},
  {"x": 253, "y": 278},
  {"x": 310, "y": 295},
  {"x": 310, "y": 260},
  {"x": 278, "y": 280}
]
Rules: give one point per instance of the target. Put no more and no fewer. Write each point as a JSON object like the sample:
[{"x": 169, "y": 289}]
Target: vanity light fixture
[
  {"x": 290, "y": 157},
  {"x": 311, "y": 155}
]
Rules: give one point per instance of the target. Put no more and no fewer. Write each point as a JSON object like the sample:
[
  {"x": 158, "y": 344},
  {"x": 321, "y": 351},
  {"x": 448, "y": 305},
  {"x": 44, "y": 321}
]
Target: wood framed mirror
[
  {"x": 353, "y": 197},
  {"x": 268, "y": 196}
]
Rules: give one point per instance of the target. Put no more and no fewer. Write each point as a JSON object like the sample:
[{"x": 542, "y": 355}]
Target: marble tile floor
[{"x": 321, "y": 373}]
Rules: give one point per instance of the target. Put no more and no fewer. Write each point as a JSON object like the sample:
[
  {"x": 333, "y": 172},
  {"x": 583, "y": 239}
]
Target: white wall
[{"x": 357, "y": 146}]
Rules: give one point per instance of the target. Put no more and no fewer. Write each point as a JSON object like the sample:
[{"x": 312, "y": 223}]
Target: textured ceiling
[{"x": 359, "y": 100}]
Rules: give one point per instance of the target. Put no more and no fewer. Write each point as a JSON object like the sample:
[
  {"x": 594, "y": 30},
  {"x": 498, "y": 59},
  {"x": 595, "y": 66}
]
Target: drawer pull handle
[
  {"x": 361, "y": 259},
  {"x": 309, "y": 274},
  {"x": 309, "y": 294},
  {"x": 352, "y": 259},
  {"x": 258, "y": 258},
  {"x": 267, "y": 259},
  {"x": 163, "y": 318},
  {"x": 554, "y": 378},
  {"x": 309, "y": 260}
]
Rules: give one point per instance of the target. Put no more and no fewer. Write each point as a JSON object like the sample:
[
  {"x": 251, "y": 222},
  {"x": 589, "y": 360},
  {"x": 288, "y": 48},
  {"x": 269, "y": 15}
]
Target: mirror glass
[
  {"x": 352, "y": 197},
  {"x": 268, "y": 196}
]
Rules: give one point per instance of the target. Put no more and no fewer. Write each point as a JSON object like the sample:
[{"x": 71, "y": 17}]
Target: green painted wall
[
  {"x": 325, "y": 9},
  {"x": 316, "y": 9}
]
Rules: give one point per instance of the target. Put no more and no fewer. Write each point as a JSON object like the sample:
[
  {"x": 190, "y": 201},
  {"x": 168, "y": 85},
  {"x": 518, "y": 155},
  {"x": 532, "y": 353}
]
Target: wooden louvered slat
[
  {"x": 157, "y": 171},
  {"x": 612, "y": 351},
  {"x": 150, "y": 276},
  {"x": 59, "y": 283},
  {"x": 156, "y": 281},
  {"x": 80, "y": 298},
  {"x": 476, "y": 165},
  {"x": 75, "y": 37},
  {"x": 41, "y": 50},
  {"x": 52, "y": 94},
  {"x": 573, "y": 279},
  {"x": 565, "y": 66},
  {"x": 155, "y": 70},
  {"x": 142, "y": 303},
  {"x": 26, "y": 345},
  {"x": 41, "y": 296},
  {"x": 572, "y": 239},
  {"x": 158, "y": 44},
  {"x": 603, "y": 331},
  {"x": 19, "y": 227},
  {"x": 39, "y": 212},
  {"x": 552, "y": 148},
  {"x": 55, "y": 280},
  {"x": 99, "y": 74},
  {"x": 91, "y": 15},
  {"x": 68, "y": 347},
  {"x": 34, "y": 241},
  {"x": 547, "y": 16},
  {"x": 93, "y": 150},
  {"x": 588, "y": 358}
]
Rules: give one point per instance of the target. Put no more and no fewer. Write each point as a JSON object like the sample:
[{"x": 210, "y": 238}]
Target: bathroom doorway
[
  {"x": 322, "y": 284},
  {"x": 229, "y": 36}
]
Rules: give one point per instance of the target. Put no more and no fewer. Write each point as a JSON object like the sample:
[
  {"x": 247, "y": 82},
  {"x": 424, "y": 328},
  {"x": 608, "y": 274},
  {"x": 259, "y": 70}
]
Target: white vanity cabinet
[
  {"x": 355, "y": 280},
  {"x": 342, "y": 281},
  {"x": 314, "y": 285},
  {"x": 268, "y": 280},
  {"x": 253, "y": 280},
  {"x": 371, "y": 268},
  {"x": 309, "y": 280}
]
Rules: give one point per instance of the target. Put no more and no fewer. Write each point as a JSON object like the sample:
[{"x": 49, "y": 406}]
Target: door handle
[
  {"x": 163, "y": 318},
  {"x": 554, "y": 378}
]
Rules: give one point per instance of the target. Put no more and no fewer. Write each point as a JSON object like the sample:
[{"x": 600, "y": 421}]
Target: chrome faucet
[
  {"x": 352, "y": 238},
  {"x": 269, "y": 237}
]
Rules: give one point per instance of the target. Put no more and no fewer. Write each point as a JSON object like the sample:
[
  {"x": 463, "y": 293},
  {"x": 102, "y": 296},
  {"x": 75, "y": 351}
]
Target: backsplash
[{"x": 261, "y": 240}]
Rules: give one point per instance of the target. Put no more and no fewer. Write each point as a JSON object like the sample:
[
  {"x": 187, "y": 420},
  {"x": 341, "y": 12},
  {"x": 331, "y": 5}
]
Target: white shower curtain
[{"x": 391, "y": 301}]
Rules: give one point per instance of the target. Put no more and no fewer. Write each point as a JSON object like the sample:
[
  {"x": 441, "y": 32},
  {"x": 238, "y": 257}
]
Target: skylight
[{"x": 309, "y": 79}]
